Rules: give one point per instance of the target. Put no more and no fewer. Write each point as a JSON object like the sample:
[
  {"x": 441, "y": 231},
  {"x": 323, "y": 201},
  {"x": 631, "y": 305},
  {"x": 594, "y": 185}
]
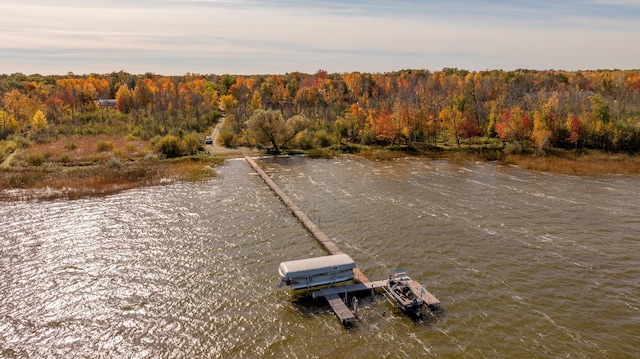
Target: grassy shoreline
[
  {"x": 588, "y": 163},
  {"x": 79, "y": 168},
  {"x": 97, "y": 180}
]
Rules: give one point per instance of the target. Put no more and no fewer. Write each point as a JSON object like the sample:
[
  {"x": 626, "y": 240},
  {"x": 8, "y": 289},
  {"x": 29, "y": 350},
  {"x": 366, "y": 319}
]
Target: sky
[{"x": 245, "y": 37}]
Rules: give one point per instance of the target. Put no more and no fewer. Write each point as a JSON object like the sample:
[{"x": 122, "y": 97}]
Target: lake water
[{"x": 525, "y": 264}]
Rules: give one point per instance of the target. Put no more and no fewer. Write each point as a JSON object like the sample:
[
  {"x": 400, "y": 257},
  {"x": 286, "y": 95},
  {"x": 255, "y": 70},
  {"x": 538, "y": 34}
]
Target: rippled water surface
[{"x": 525, "y": 265}]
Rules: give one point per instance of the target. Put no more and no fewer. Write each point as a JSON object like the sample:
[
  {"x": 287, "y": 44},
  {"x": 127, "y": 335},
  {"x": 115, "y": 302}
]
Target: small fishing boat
[{"x": 407, "y": 293}]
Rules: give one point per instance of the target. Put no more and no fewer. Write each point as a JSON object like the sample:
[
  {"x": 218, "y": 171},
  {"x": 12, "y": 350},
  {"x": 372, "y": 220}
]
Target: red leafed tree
[
  {"x": 514, "y": 125},
  {"x": 469, "y": 128},
  {"x": 575, "y": 129}
]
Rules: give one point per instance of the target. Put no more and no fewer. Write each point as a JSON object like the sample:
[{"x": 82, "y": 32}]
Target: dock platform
[
  {"x": 345, "y": 315},
  {"x": 332, "y": 295},
  {"x": 429, "y": 299}
]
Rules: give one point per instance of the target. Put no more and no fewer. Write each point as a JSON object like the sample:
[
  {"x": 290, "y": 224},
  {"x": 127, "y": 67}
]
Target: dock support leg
[{"x": 355, "y": 306}]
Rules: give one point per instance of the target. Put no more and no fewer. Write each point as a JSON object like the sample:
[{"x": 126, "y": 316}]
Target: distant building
[{"x": 107, "y": 103}]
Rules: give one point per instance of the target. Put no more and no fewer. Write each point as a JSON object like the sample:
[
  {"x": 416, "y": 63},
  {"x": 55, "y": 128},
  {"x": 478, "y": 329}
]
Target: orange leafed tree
[
  {"x": 124, "y": 99},
  {"x": 384, "y": 128}
]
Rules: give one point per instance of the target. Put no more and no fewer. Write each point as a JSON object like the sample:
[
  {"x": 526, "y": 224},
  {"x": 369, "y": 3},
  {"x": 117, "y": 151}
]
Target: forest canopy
[{"x": 524, "y": 110}]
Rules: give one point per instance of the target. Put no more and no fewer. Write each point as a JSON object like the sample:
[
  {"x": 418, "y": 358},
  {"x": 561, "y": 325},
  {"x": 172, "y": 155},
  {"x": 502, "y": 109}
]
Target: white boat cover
[{"x": 302, "y": 268}]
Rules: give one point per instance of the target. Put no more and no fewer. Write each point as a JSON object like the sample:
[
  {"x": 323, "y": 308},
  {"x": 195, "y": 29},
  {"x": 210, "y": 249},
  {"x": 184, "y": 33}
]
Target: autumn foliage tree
[
  {"x": 541, "y": 134},
  {"x": 8, "y": 124},
  {"x": 575, "y": 130},
  {"x": 124, "y": 99},
  {"x": 268, "y": 126},
  {"x": 514, "y": 125},
  {"x": 407, "y": 107}
]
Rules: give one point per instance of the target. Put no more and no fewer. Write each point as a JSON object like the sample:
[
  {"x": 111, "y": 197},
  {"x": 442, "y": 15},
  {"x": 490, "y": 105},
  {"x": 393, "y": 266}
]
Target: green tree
[
  {"x": 599, "y": 108},
  {"x": 268, "y": 126}
]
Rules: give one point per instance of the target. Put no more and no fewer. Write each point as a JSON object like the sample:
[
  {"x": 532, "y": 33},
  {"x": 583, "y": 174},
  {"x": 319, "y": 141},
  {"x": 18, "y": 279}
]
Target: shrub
[
  {"x": 71, "y": 146},
  {"x": 322, "y": 138},
  {"x": 150, "y": 157},
  {"x": 226, "y": 137},
  {"x": 304, "y": 140},
  {"x": 512, "y": 148},
  {"x": 114, "y": 163},
  {"x": 35, "y": 159},
  {"x": 65, "y": 159},
  {"x": 170, "y": 146},
  {"x": 130, "y": 148},
  {"x": 104, "y": 146},
  {"x": 191, "y": 143}
]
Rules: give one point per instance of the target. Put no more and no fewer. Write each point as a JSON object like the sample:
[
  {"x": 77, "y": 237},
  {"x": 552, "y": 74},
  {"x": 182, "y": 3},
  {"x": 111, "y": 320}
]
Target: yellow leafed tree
[
  {"x": 256, "y": 100},
  {"x": 541, "y": 132},
  {"x": 39, "y": 122},
  {"x": 8, "y": 124}
]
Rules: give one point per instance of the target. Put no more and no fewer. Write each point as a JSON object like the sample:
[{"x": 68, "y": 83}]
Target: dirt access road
[
  {"x": 215, "y": 148},
  {"x": 5, "y": 163}
]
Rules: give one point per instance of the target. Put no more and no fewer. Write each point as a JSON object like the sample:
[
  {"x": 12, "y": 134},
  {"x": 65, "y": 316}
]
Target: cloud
[{"x": 277, "y": 36}]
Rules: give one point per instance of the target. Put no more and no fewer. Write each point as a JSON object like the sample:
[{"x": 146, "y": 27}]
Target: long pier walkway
[{"x": 322, "y": 238}]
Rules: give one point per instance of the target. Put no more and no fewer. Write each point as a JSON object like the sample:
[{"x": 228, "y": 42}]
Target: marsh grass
[
  {"x": 55, "y": 169},
  {"x": 560, "y": 161},
  {"x": 322, "y": 153},
  {"x": 381, "y": 154},
  {"x": 104, "y": 179},
  {"x": 587, "y": 163}
]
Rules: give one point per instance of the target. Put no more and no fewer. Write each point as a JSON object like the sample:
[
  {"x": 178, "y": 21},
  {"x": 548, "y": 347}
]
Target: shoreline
[{"x": 74, "y": 182}]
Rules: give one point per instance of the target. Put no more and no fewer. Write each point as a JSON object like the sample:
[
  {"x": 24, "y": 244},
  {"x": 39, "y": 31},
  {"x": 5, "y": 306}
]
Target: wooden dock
[{"x": 332, "y": 294}]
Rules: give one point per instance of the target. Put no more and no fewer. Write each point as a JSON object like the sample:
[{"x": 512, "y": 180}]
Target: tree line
[{"x": 526, "y": 110}]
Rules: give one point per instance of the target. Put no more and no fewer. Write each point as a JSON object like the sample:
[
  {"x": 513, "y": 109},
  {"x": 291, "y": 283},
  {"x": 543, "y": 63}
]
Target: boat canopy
[{"x": 317, "y": 271}]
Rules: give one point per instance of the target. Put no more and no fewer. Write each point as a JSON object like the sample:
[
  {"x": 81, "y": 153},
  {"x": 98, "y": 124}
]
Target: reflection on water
[{"x": 525, "y": 264}]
